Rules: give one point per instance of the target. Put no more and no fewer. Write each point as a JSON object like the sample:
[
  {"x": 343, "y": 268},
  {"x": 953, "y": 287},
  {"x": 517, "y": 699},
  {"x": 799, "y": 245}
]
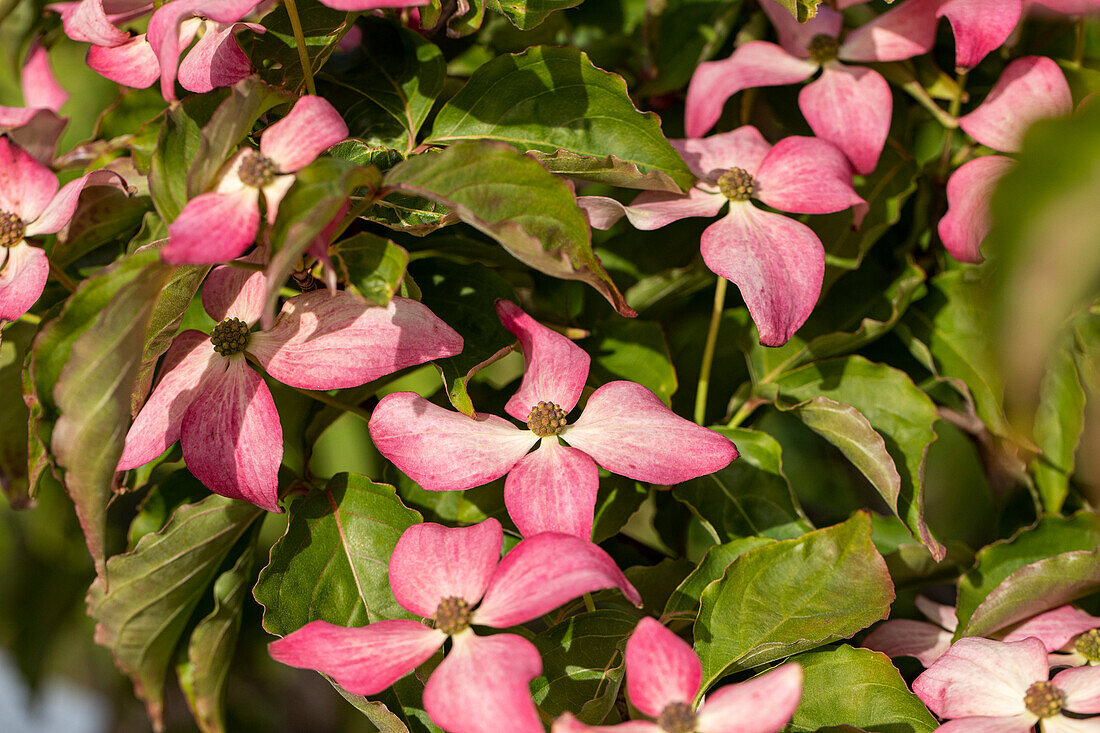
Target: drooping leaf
[
  {"x": 177, "y": 146},
  {"x": 332, "y": 563},
  {"x": 514, "y": 200},
  {"x": 792, "y": 596},
  {"x": 143, "y": 602},
  {"x": 904, "y": 421},
  {"x": 275, "y": 51},
  {"x": 684, "y": 601},
  {"x": 635, "y": 351},
  {"x": 749, "y": 497},
  {"x": 860, "y": 687},
  {"x": 554, "y": 103},
  {"x": 582, "y": 664}
]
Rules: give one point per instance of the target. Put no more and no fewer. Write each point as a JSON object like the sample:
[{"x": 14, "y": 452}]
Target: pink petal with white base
[
  {"x": 40, "y": 87},
  {"x": 763, "y": 704},
  {"x": 324, "y": 340},
  {"x": 308, "y": 130},
  {"x": 544, "y": 572},
  {"x": 980, "y": 26},
  {"x": 555, "y": 368},
  {"x": 1029, "y": 89},
  {"x": 806, "y": 175},
  {"x": 231, "y": 437},
  {"x": 850, "y": 106},
  {"x": 364, "y": 660},
  {"x": 1010, "y": 724},
  {"x": 1081, "y": 686},
  {"x": 11, "y": 117},
  {"x": 233, "y": 292},
  {"x": 483, "y": 685},
  {"x": 980, "y": 677},
  {"x": 628, "y": 430},
  {"x": 88, "y": 22},
  {"x": 26, "y": 186},
  {"x": 753, "y": 64},
  {"x": 157, "y": 426},
  {"x": 1055, "y": 628},
  {"x": 777, "y": 262},
  {"x": 710, "y": 157},
  {"x": 432, "y": 562},
  {"x": 352, "y": 5},
  {"x": 274, "y": 193},
  {"x": 566, "y": 723},
  {"x": 904, "y": 31},
  {"x": 651, "y": 209},
  {"x": 216, "y": 60},
  {"x": 906, "y": 638},
  {"x": 132, "y": 64},
  {"x": 968, "y": 218},
  {"x": 661, "y": 668},
  {"x": 795, "y": 37},
  {"x": 213, "y": 227},
  {"x": 443, "y": 450},
  {"x": 62, "y": 206},
  {"x": 553, "y": 489},
  {"x": 23, "y": 273},
  {"x": 937, "y": 613}
]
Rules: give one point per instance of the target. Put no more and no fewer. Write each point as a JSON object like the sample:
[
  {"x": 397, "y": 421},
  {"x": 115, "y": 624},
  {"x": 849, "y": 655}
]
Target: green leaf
[
  {"x": 860, "y": 687},
  {"x": 177, "y": 146},
  {"x": 688, "y": 33},
  {"x": 466, "y": 18},
  {"x": 203, "y": 672},
  {"x": 904, "y": 421},
  {"x": 554, "y": 103},
  {"x": 313, "y": 201},
  {"x": 231, "y": 122},
  {"x": 332, "y": 563},
  {"x": 143, "y": 602},
  {"x": 1051, "y": 536},
  {"x": 791, "y": 596},
  {"x": 1059, "y": 422},
  {"x": 802, "y": 10},
  {"x": 370, "y": 265},
  {"x": 275, "y": 52},
  {"x": 685, "y": 599},
  {"x": 749, "y": 497},
  {"x": 526, "y": 14},
  {"x": 635, "y": 351},
  {"x": 390, "y": 82},
  {"x": 14, "y": 480},
  {"x": 582, "y": 664},
  {"x": 618, "y": 498},
  {"x": 514, "y": 200},
  {"x": 93, "y": 389}
]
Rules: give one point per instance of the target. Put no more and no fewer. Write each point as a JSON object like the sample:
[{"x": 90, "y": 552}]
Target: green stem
[
  {"x": 742, "y": 413},
  {"x": 300, "y": 42},
  {"x": 1079, "y": 42},
  {"x": 949, "y": 135},
  {"x": 588, "y": 602},
  {"x": 31, "y": 319},
  {"x": 708, "y": 351},
  {"x": 917, "y": 92},
  {"x": 66, "y": 282}
]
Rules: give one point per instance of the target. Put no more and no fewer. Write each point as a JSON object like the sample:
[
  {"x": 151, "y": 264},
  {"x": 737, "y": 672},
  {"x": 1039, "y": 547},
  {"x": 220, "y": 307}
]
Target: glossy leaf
[
  {"x": 635, "y": 351},
  {"x": 685, "y": 599},
  {"x": 371, "y": 266},
  {"x": 792, "y": 596},
  {"x": 553, "y": 102},
  {"x": 526, "y": 14},
  {"x": 177, "y": 146}
]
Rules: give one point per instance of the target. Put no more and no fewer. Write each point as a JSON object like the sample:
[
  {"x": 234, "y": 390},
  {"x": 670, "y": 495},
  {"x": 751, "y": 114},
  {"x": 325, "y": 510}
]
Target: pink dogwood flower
[
  {"x": 985, "y": 686},
  {"x": 662, "y": 680},
  {"x": 442, "y": 573},
  {"x": 1030, "y": 88},
  {"x": 624, "y": 427},
  {"x": 40, "y": 91},
  {"x": 220, "y": 409},
  {"x": 31, "y": 205},
  {"x": 777, "y": 262},
  {"x": 219, "y": 225}
]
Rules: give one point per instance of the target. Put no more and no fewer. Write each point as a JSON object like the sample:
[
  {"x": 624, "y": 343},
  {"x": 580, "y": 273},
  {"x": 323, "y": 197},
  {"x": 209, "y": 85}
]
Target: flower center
[
  {"x": 11, "y": 229},
  {"x": 823, "y": 48},
  {"x": 1044, "y": 699},
  {"x": 256, "y": 170},
  {"x": 453, "y": 615},
  {"x": 677, "y": 717},
  {"x": 230, "y": 336},
  {"x": 546, "y": 419},
  {"x": 1088, "y": 645},
  {"x": 737, "y": 184}
]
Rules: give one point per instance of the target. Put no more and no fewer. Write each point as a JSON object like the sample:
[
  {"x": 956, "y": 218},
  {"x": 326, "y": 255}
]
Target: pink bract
[
  {"x": 456, "y": 577},
  {"x": 778, "y": 263},
  {"x": 662, "y": 679},
  {"x": 221, "y": 410},
  {"x": 624, "y": 427},
  {"x": 219, "y": 225}
]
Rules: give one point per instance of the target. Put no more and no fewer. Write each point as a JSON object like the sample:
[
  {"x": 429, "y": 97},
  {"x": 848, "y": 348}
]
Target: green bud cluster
[
  {"x": 11, "y": 229},
  {"x": 823, "y": 48},
  {"x": 677, "y": 717},
  {"x": 230, "y": 336},
  {"x": 546, "y": 419},
  {"x": 453, "y": 615},
  {"x": 1044, "y": 699},
  {"x": 257, "y": 170},
  {"x": 1088, "y": 645},
  {"x": 737, "y": 184}
]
